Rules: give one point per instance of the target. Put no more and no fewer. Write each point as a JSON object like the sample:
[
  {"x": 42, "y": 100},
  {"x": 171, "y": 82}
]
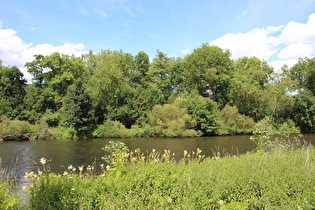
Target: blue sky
[{"x": 278, "y": 31}]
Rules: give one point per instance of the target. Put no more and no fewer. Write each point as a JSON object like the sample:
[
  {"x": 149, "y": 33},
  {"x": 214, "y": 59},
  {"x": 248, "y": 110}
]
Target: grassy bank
[{"x": 279, "y": 179}]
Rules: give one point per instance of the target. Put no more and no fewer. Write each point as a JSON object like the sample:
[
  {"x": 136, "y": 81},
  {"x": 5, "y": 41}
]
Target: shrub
[
  {"x": 170, "y": 120},
  {"x": 235, "y": 123},
  {"x": 111, "y": 129},
  {"x": 14, "y": 127}
]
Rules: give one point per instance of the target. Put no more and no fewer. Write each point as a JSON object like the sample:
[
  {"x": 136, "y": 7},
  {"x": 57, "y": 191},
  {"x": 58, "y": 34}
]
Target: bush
[
  {"x": 14, "y": 127},
  {"x": 62, "y": 132},
  {"x": 235, "y": 123},
  {"x": 170, "y": 120},
  {"x": 111, "y": 129},
  {"x": 41, "y": 130}
]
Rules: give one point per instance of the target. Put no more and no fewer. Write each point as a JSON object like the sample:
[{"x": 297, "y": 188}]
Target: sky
[{"x": 277, "y": 31}]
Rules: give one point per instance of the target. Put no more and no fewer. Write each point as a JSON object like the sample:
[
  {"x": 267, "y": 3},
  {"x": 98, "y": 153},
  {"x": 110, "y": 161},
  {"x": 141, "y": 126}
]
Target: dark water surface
[{"x": 20, "y": 156}]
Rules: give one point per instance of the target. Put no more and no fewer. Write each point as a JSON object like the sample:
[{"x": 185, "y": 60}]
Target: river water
[{"x": 19, "y": 157}]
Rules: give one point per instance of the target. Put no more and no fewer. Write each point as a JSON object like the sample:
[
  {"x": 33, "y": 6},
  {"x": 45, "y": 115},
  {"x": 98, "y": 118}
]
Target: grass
[
  {"x": 279, "y": 179},
  {"x": 8, "y": 198}
]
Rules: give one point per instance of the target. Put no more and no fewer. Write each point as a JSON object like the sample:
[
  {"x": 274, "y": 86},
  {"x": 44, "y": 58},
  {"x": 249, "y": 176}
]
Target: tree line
[{"x": 116, "y": 94}]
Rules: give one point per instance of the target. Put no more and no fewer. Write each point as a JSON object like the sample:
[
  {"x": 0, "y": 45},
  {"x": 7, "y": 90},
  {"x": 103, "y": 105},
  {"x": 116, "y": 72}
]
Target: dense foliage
[{"x": 204, "y": 93}]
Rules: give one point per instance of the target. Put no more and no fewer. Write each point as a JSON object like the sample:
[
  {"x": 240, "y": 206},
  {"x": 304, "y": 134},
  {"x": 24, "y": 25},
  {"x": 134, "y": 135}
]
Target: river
[{"x": 19, "y": 157}]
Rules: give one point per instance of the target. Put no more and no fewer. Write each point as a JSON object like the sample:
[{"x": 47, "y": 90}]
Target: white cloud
[
  {"x": 295, "y": 40},
  {"x": 257, "y": 42},
  {"x": 300, "y": 32},
  {"x": 186, "y": 51},
  {"x": 14, "y": 52},
  {"x": 296, "y": 50}
]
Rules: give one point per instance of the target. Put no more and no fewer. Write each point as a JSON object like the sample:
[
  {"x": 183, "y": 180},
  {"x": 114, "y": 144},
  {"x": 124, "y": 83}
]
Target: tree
[
  {"x": 234, "y": 122},
  {"x": 208, "y": 70},
  {"x": 303, "y": 75},
  {"x": 141, "y": 68},
  {"x": 248, "y": 90},
  {"x": 177, "y": 77},
  {"x": 281, "y": 100},
  {"x": 12, "y": 89},
  {"x": 304, "y": 111},
  {"x": 36, "y": 102},
  {"x": 159, "y": 72},
  {"x": 76, "y": 110},
  {"x": 36, "y": 69},
  {"x": 171, "y": 120},
  {"x": 106, "y": 84},
  {"x": 205, "y": 111},
  {"x": 91, "y": 62},
  {"x": 62, "y": 72}
]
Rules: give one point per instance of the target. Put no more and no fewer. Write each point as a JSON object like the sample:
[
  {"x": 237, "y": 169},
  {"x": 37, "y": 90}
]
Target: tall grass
[
  {"x": 9, "y": 199},
  {"x": 279, "y": 179}
]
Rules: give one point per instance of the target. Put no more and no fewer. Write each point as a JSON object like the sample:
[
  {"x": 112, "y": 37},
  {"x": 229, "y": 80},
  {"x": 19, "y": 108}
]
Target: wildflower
[
  {"x": 27, "y": 175},
  {"x": 65, "y": 173},
  {"x": 153, "y": 150},
  {"x": 72, "y": 189},
  {"x": 108, "y": 167},
  {"x": 43, "y": 161},
  {"x": 70, "y": 167},
  {"x": 81, "y": 168},
  {"x": 74, "y": 169}
]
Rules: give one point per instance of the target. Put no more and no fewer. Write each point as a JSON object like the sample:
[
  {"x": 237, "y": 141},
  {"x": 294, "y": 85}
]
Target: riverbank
[{"x": 279, "y": 179}]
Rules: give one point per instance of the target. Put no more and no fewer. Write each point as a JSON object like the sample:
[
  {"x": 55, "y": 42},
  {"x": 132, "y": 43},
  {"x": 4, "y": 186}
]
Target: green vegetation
[
  {"x": 280, "y": 179},
  {"x": 23, "y": 130},
  {"x": 280, "y": 175},
  {"x": 8, "y": 198},
  {"x": 116, "y": 94}
]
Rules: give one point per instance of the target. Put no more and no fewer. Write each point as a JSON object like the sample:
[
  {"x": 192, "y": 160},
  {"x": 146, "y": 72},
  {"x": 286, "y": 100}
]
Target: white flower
[{"x": 43, "y": 161}]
